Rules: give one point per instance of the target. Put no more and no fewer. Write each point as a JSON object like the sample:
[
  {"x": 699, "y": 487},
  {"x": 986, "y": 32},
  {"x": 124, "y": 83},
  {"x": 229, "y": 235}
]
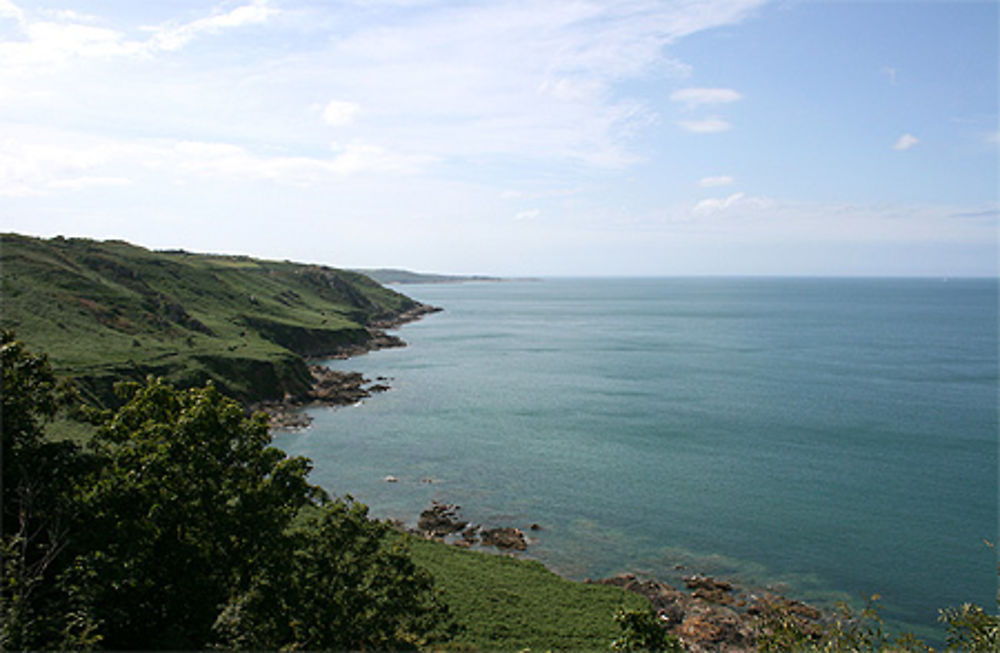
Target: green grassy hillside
[
  {"x": 505, "y": 603},
  {"x": 104, "y": 311}
]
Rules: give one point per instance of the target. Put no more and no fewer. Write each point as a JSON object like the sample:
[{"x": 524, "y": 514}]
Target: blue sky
[{"x": 515, "y": 138}]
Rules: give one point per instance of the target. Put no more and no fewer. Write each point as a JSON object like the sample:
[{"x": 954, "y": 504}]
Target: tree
[
  {"x": 175, "y": 530},
  {"x": 190, "y": 501},
  {"x": 349, "y": 586},
  {"x": 190, "y": 539},
  {"x": 39, "y": 477}
]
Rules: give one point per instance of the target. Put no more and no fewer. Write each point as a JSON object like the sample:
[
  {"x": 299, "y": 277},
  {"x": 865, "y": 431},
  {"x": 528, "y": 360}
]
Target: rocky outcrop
[
  {"x": 709, "y": 589},
  {"x": 409, "y": 315},
  {"x": 714, "y": 616},
  {"x": 439, "y": 520},
  {"x": 504, "y": 538},
  {"x": 329, "y": 388}
]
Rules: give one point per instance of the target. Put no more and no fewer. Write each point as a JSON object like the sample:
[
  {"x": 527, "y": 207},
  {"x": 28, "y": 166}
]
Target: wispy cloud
[
  {"x": 696, "y": 97},
  {"x": 339, "y": 113},
  {"x": 905, "y": 142},
  {"x": 481, "y": 82},
  {"x": 58, "y": 37},
  {"x": 889, "y": 72},
  {"x": 529, "y": 214},
  {"x": 716, "y": 204},
  {"x": 711, "y": 182},
  {"x": 52, "y": 162},
  {"x": 706, "y": 126},
  {"x": 175, "y": 37}
]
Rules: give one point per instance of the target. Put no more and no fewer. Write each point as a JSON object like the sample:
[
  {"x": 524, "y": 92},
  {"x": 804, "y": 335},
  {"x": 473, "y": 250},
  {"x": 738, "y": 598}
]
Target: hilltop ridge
[{"x": 110, "y": 310}]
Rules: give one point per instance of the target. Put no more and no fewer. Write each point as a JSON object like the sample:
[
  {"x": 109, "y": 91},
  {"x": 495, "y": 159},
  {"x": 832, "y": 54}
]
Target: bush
[
  {"x": 642, "y": 630},
  {"x": 176, "y": 531}
]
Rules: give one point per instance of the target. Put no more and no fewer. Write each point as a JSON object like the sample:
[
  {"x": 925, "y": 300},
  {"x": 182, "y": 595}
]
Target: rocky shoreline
[
  {"x": 335, "y": 388},
  {"x": 712, "y": 615},
  {"x": 441, "y": 520},
  {"x": 707, "y": 614}
]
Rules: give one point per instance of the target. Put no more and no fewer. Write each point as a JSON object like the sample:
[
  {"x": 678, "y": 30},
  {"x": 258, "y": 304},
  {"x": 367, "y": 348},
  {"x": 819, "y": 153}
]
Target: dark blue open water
[{"x": 833, "y": 437}]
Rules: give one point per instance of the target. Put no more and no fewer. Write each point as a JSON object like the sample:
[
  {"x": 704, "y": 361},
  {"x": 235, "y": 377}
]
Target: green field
[
  {"x": 508, "y": 604},
  {"x": 109, "y": 310}
]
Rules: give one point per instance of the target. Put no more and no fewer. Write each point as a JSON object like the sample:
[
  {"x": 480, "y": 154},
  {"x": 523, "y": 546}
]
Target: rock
[
  {"x": 504, "y": 538},
  {"x": 440, "y": 520},
  {"x": 707, "y": 582},
  {"x": 535, "y": 527},
  {"x": 709, "y": 589},
  {"x": 702, "y": 625},
  {"x": 471, "y": 534}
]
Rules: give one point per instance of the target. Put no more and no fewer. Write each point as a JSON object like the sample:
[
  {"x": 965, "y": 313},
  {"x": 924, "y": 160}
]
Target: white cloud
[
  {"x": 10, "y": 10},
  {"x": 65, "y": 36},
  {"x": 339, "y": 113},
  {"x": 80, "y": 183},
  {"x": 529, "y": 214},
  {"x": 706, "y": 126},
  {"x": 905, "y": 142},
  {"x": 734, "y": 201},
  {"x": 48, "y": 162},
  {"x": 467, "y": 82},
  {"x": 717, "y": 204},
  {"x": 695, "y": 97},
  {"x": 361, "y": 157},
  {"x": 890, "y": 72},
  {"x": 711, "y": 182},
  {"x": 227, "y": 160},
  {"x": 175, "y": 37}
]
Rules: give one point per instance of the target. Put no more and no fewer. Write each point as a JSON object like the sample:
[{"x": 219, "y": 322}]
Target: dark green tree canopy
[{"x": 182, "y": 527}]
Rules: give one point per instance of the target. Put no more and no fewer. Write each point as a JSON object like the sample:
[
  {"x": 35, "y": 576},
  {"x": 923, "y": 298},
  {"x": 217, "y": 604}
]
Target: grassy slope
[
  {"x": 509, "y": 604},
  {"x": 106, "y": 310}
]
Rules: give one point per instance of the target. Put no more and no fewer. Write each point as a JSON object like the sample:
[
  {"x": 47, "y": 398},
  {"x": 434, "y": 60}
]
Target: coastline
[
  {"x": 702, "y": 611},
  {"x": 707, "y": 614},
  {"x": 334, "y": 388}
]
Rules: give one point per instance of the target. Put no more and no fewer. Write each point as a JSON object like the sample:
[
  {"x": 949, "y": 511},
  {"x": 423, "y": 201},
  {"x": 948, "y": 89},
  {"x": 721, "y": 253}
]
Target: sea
[{"x": 830, "y": 439}]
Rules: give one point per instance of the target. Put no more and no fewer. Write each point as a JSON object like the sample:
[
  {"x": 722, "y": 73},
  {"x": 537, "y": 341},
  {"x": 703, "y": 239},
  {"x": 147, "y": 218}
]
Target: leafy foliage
[
  {"x": 971, "y": 628},
  {"x": 38, "y": 485},
  {"x": 642, "y": 631},
  {"x": 346, "y": 570},
  {"x": 782, "y": 629},
  {"x": 176, "y": 532}
]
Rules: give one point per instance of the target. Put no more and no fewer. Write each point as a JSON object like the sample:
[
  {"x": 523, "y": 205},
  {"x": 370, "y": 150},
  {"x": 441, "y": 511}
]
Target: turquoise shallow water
[{"x": 831, "y": 437}]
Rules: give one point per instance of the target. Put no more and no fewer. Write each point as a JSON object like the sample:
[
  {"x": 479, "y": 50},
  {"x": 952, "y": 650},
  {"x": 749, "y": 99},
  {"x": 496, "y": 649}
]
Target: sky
[{"x": 537, "y": 137}]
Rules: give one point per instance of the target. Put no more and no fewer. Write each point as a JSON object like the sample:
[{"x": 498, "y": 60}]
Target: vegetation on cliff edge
[{"x": 106, "y": 311}]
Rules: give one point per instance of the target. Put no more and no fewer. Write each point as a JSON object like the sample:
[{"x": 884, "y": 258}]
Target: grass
[
  {"x": 509, "y": 604},
  {"x": 107, "y": 310}
]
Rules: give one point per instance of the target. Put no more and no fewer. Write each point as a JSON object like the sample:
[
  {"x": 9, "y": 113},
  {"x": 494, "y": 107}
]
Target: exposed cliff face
[{"x": 107, "y": 311}]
